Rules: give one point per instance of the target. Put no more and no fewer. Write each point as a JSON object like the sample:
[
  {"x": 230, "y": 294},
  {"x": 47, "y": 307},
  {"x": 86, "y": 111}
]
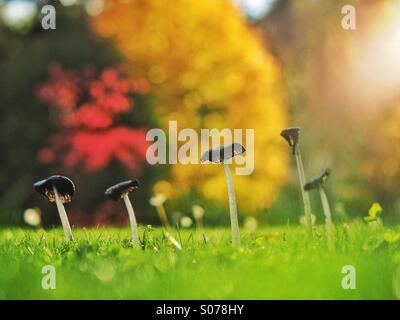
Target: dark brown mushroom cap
[
  {"x": 291, "y": 135},
  {"x": 117, "y": 191},
  {"x": 64, "y": 186},
  {"x": 222, "y": 153},
  {"x": 318, "y": 181}
]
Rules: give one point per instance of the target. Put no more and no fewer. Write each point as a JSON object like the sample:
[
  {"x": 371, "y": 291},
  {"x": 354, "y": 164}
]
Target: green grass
[{"x": 273, "y": 263}]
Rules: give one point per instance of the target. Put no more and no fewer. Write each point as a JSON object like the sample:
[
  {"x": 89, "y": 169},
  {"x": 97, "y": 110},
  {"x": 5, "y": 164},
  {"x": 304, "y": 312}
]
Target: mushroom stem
[
  {"x": 232, "y": 207},
  {"x": 132, "y": 220},
  {"x": 199, "y": 224},
  {"x": 163, "y": 216},
  {"x": 63, "y": 215},
  {"x": 304, "y": 194},
  {"x": 328, "y": 219}
]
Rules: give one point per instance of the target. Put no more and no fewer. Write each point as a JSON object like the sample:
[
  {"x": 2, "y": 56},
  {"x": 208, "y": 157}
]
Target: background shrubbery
[{"x": 207, "y": 66}]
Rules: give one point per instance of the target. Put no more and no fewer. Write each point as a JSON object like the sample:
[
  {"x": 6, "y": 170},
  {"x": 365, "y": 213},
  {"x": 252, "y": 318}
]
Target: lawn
[{"x": 272, "y": 263}]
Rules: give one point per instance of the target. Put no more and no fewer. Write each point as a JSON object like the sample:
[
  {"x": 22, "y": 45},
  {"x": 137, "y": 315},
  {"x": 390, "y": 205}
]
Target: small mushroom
[
  {"x": 220, "y": 155},
  {"x": 121, "y": 191},
  {"x": 292, "y": 136},
  {"x": 58, "y": 189},
  {"x": 186, "y": 222},
  {"x": 158, "y": 201},
  {"x": 32, "y": 217},
  {"x": 198, "y": 214},
  {"x": 317, "y": 183}
]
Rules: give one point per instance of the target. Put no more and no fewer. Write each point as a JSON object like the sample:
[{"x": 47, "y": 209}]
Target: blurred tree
[
  {"x": 210, "y": 70},
  {"x": 87, "y": 108},
  {"x": 341, "y": 87},
  {"x": 382, "y": 171},
  {"x": 28, "y": 126}
]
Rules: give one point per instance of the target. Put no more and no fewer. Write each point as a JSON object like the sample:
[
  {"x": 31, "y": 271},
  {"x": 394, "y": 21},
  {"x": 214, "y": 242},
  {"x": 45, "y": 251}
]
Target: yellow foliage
[{"x": 203, "y": 53}]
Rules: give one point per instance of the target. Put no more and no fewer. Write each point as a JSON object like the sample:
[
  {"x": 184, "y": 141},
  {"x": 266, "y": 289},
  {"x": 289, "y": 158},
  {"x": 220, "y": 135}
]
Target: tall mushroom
[
  {"x": 291, "y": 135},
  {"x": 220, "y": 155},
  {"x": 121, "y": 191},
  {"x": 58, "y": 189},
  {"x": 317, "y": 183}
]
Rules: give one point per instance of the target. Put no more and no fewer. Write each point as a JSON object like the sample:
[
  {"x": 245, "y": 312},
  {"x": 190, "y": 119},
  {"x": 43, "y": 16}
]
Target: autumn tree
[{"x": 208, "y": 69}]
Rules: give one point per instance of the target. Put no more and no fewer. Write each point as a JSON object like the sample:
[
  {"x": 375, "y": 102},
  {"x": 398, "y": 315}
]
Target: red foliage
[
  {"x": 87, "y": 107},
  {"x": 63, "y": 91}
]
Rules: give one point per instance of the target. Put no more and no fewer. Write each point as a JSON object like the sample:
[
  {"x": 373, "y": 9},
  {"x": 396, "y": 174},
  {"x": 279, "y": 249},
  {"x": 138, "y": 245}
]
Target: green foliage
[
  {"x": 391, "y": 236},
  {"x": 271, "y": 264},
  {"x": 374, "y": 212}
]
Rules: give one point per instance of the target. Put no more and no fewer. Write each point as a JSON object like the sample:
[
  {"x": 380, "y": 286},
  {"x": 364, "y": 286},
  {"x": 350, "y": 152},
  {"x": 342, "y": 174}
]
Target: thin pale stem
[
  {"x": 63, "y": 215},
  {"x": 199, "y": 226},
  {"x": 173, "y": 240},
  {"x": 132, "y": 220},
  {"x": 199, "y": 223},
  {"x": 164, "y": 220},
  {"x": 328, "y": 220},
  {"x": 163, "y": 216},
  {"x": 232, "y": 207},
  {"x": 304, "y": 194}
]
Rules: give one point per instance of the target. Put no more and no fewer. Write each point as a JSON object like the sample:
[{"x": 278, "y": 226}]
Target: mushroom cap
[
  {"x": 291, "y": 135},
  {"x": 117, "y": 191},
  {"x": 64, "y": 186},
  {"x": 198, "y": 211},
  {"x": 317, "y": 181},
  {"x": 222, "y": 153},
  {"x": 158, "y": 199}
]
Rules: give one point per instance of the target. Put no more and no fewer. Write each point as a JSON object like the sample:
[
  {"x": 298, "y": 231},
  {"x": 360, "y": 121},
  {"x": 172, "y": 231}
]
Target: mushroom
[
  {"x": 186, "y": 222},
  {"x": 58, "y": 189},
  {"x": 220, "y": 155},
  {"x": 198, "y": 214},
  {"x": 32, "y": 217},
  {"x": 291, "y": 135},
  {"x": 317, "y": 183},
  {"x": 158, "y": 201},
  {"x": 121, "y": 191}
]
